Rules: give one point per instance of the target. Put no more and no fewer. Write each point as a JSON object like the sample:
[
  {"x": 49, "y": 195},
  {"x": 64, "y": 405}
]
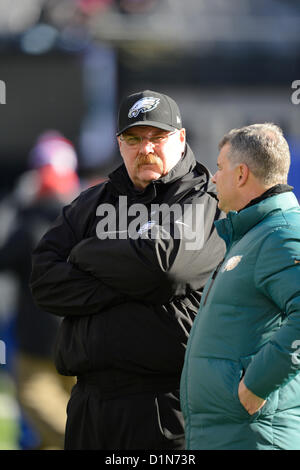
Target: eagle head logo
[
  {"x": 143, "y": 106},
  {"x": 232, "y": 263}
]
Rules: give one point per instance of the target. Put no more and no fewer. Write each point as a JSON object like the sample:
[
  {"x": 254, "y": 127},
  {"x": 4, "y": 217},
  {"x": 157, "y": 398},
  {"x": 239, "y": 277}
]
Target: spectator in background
[{"x": 39, "y": 194}]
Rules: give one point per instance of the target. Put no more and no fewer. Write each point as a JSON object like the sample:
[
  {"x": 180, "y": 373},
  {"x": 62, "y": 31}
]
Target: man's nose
[{"x": 146, "y": 145}]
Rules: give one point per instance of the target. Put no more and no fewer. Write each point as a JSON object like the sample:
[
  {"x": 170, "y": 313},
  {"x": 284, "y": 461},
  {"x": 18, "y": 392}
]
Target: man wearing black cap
[{"x": 125, "y": 265}]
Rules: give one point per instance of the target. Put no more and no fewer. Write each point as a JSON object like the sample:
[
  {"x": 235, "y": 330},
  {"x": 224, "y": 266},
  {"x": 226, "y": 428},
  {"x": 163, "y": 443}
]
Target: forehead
[{"x": 145, "y": 130}]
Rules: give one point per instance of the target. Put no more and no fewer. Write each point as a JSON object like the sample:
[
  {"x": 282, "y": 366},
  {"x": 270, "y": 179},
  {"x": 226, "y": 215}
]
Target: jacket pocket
[
  {"x": 213, "y": 387},
  {"x": 71, "y": 353},
  {"x": 243, "y": 410},
  {"x": 271, "y": 404}
]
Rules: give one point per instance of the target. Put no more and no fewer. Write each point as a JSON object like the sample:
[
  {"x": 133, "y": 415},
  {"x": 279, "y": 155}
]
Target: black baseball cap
[{"x": 149, "y": 108}]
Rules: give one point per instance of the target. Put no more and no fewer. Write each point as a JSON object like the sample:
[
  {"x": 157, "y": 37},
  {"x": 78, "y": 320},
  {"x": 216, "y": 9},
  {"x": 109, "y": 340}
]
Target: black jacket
[{"x": 128, "y": 303}]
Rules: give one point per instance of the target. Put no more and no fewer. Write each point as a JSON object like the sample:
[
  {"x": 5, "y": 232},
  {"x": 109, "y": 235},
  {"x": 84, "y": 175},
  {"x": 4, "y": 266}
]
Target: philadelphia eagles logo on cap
[{"x": 143, "y": 106}]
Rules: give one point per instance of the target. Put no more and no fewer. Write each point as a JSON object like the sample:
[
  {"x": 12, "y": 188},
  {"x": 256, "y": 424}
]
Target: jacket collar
[
  {"x": 277, "y": 189},
  {"x": 236, "y": 224}
]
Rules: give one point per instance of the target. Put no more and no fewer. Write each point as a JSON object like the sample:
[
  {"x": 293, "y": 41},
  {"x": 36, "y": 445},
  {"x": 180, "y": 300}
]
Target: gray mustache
[{"x": 149, "y": 159}]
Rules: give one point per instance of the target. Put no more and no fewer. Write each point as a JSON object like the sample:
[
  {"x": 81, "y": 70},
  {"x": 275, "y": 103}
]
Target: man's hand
[{"x": 251, "y": 402}]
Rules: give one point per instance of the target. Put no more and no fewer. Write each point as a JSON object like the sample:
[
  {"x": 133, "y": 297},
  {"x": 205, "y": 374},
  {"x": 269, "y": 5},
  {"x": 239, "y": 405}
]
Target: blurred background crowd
[{"x": 64, "y": 66}]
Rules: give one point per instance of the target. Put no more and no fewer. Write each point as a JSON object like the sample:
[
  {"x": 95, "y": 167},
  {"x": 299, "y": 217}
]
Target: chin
[
  {"x": 221, "y": 207},
  {"x": 149, "y": 175}
]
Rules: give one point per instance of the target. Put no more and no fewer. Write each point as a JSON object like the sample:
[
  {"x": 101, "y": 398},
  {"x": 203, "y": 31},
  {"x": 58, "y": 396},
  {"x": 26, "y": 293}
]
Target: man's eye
[
  {"x": 157, "y": 139},
  {"x": 132, "y": 140}
]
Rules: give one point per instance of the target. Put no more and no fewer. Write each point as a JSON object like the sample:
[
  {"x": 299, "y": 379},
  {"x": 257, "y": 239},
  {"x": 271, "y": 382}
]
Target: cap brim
[{"x": 159, "y": 125}]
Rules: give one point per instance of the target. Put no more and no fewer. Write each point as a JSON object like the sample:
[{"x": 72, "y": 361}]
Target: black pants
[{"x": 149, "y": 421}]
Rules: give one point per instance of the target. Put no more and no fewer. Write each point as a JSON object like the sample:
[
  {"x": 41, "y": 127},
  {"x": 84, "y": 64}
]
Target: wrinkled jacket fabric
[
  {"x": 128, "y": 302},
  {"x": 248, "y": 326}
]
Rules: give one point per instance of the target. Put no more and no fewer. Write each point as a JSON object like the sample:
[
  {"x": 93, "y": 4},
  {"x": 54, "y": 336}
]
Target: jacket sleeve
[
  {"x": 165, "y": 260},
  {"x": 57, "y": 285},
  {"x": 278, "y": 277}
]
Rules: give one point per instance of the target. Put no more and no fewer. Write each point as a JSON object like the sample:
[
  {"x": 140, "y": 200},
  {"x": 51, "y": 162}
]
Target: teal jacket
[{"x": 248, "y": 325}]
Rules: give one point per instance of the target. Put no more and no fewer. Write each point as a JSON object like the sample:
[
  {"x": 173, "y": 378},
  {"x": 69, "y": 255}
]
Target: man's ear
[
  {"x": 119, "y": 142},
  {"x": 182, "y": 137},
  {"x": 182, "y": 134},
  {"x": 242, "y": 174}
]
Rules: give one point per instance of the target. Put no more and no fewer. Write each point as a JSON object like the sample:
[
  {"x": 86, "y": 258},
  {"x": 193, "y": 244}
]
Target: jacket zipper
[{"x": 213, "y": 280}]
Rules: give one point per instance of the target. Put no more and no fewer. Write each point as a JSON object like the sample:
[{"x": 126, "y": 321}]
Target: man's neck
[{"x": 269, "y": 192}]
